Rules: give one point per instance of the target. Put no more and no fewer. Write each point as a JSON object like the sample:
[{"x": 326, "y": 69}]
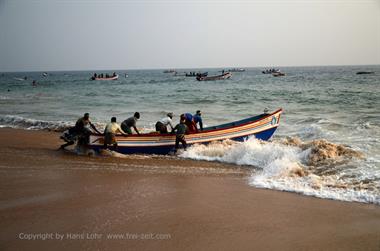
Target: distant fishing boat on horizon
[
  {"x": 364, "y": 72},
  {"x": 103, "y": 77},
  {"x": 223, "y": 76},
  {"x": 195, "y": 74},
  {"x": 110, "y": 78},
  {"x": 169, "y": 71},
  {"x": 237, "y": 70},
  {"x": 270, "y": 71},
  {"x": 278, "y": 74}
]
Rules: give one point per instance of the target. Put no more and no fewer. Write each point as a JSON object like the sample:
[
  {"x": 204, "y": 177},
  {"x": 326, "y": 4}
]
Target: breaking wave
[
  {"x": 33, "y": 124},
  {"x": 316, "y": 168}
]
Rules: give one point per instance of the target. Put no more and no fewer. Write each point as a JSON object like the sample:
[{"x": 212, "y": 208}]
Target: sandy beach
[{"x": 56, "y": 200}]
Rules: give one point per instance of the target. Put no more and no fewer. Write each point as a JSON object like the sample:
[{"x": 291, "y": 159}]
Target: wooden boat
[
  {"x": 225, "y": 75},
  {"x": 278, "y": 74},
  {"x": 109, "y": 78},
  {"x": 193, "y": 74},
  {"x": 177, "y": 74},
  {"x": 237, "y": 70},
  {"x": 270, "y": 71},
  {"x": 364, "y": 72},
  {"x": 20, "y": 79},
  {"x": 169, "y": 71},
  {"x": 261, "y": 126}
]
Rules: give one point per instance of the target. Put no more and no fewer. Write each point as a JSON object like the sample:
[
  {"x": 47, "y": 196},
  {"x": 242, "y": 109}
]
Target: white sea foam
[
  {"x": 317, "y": 168},
  {"x": 33, "y": 124}
]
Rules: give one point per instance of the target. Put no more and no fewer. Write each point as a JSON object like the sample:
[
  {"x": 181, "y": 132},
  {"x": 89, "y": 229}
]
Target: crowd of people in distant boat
[
  {"x": 270, "y": 71},
  {"x": 188, "y": 123},
  {"x": 101, "y": 75},
  {"x": 196, "y": 74}
]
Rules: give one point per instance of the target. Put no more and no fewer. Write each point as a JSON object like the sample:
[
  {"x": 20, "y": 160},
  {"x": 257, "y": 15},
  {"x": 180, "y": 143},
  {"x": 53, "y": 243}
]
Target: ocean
[{"x": 327, "y": 144}]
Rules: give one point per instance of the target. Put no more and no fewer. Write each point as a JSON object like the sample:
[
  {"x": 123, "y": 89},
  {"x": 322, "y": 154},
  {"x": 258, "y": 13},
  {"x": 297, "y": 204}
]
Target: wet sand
[{"x": 155, "y": 203}]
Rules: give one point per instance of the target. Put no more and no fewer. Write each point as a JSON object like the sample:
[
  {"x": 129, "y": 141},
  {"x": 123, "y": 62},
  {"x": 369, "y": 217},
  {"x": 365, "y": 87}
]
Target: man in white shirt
[
  {"x": 110, "y": 132},
  {"x": 162, "y": 124}
]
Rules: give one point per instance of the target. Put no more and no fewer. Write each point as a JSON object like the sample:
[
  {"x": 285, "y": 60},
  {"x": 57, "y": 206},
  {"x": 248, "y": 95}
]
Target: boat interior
[{"x": 236, "y": 123}]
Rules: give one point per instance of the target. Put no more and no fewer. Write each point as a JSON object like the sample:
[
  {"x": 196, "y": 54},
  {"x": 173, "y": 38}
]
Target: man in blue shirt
[
  {"x": 198, "y": 119},
  {"x": 188, "y": 118}
]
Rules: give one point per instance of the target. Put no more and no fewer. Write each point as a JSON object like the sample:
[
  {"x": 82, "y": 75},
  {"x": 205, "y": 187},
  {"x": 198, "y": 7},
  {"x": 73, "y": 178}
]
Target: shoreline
[{"x": 185, "y": 204}]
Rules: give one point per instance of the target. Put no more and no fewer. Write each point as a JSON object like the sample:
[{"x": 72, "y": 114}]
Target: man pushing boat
[
  {"x": 81, "y": 131},
  {"x": 130, "y": 123}
]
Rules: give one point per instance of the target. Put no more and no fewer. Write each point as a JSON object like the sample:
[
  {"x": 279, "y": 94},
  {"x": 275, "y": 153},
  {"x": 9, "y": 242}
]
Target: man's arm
[
  {"x": 171, "y": 125},
  {"x": 121, "y": 131},
  {"x": 93, "y": 127},
  {"x": 175, "y": 129},
  {"x": 136, "y": 130}
]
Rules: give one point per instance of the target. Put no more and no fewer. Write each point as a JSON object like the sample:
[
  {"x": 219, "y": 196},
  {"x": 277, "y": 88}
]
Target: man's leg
[
  {"x": 66, "y": 144},
  {"x": 176, "y": 144},
  {"x": 184, "y": 144}
]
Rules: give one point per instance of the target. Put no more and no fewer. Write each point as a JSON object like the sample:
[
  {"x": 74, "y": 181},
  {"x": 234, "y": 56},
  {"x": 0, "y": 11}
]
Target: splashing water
[{"x": 317, "y": 168}]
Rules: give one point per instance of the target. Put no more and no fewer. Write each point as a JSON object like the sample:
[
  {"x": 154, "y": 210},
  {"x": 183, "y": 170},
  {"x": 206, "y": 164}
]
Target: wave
[
  {"x": 57, "y": 126},
  {"x": 33, "y": 124},
  {"x": 317, "y": 168}
]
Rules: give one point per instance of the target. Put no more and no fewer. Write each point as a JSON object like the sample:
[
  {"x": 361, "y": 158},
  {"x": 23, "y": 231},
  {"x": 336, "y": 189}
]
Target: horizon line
[{"x": 191, "y": 68}]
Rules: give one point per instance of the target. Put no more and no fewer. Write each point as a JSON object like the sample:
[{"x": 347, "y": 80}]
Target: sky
[{"x": 48, "y": 35}]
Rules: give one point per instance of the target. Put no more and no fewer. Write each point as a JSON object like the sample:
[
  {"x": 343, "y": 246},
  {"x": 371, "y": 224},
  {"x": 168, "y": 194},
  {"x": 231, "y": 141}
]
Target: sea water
[{"x": 327, "y": 144}]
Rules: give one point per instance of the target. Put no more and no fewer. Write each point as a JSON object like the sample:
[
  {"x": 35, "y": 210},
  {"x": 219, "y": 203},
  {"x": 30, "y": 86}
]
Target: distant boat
[
  {"x": 270, "y": 71},
  {"x": 126, "y": 75},
  {"x": 236, "y": 70},
  {"x": 170, "y": 71},
  {"x": 225, "y": 75},
  {"x": 21, "y": 79},
  {"x": 193, "y": 74},
  {"x": 45, "y": 74},
  {"x": 364, "y": 72},
  {"x": 109, "y": 78},
  {"x": 278, "y": 74},
  {"x": 180, "y": 74}
]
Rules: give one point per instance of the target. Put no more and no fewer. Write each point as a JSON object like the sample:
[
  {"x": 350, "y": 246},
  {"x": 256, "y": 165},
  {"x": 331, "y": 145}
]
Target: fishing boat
[
  {"x": 169, "y": 71},
  {"x": 237, "y": 70},
  {"x": 21, "y": 79},
  {"x": 364, "y": 72},
  {"x": 278, "y": 74},
  {"x": 109, "y": 78},
  {"x": 270, "y": 71},
  {"x": 225, "y": 75},
  {"x": 194, "y": 74},
  {"x": 261, "y": 126},
  {"x": 178, "y": 74}
]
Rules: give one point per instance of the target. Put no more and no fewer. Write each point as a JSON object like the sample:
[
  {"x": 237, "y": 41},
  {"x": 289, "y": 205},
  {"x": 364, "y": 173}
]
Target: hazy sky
[{"x": 78, "y": 35}]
